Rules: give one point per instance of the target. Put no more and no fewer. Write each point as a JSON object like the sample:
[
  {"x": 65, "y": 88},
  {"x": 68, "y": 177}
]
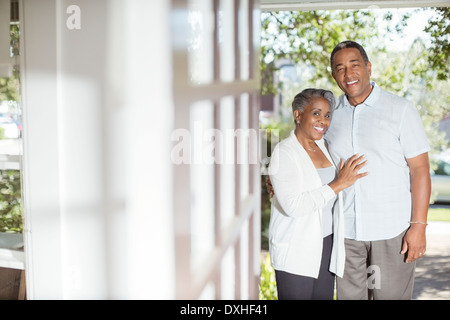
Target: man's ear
[{"x": 369, "y": 68}]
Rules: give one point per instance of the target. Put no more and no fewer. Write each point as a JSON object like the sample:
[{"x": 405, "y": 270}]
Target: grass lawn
[{"x": 438, "y": 214}]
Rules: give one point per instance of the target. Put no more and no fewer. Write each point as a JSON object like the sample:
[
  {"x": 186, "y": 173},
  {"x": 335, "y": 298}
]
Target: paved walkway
[{"x": 433, "y": 270}]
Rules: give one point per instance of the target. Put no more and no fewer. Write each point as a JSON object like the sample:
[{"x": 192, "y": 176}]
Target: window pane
[
  {"x": 228, "y": 268},
  {"x": 244, "y": 39},
  {"x": 227, "y": 168},
  {"x": 208, "y": 293},
  {"x": 10, "y": 147},
  {"x": 226, "y": 40},
  {"x": 200, "y": 47},
  {"x": 202, "y": 182},
  {"x": 12, "y": 257},
  {"x": 243, "y": 146},
  {"x": 245, "y": 255}
]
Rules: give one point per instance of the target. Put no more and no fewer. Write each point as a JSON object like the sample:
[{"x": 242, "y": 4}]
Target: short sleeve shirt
[{"x": 387, "y": 129}]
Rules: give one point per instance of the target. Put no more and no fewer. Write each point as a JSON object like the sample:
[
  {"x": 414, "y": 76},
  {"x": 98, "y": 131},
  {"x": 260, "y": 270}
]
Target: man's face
[{"x": 352, "y": 75}]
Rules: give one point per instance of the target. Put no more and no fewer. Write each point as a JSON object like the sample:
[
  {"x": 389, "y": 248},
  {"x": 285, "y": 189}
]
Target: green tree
[
  {"x": 309, "y": 37},
  {"x": 9, "y": 87},
  {"x": 439, "y": 52},
  {"x": 11, "y": 210}
]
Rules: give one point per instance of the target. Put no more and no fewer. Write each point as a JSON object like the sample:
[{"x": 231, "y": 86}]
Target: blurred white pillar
[
  {"x": 138, "y": 155},
  {"x": 97, "y": 171},
  {"x": 42, "y": 225}
]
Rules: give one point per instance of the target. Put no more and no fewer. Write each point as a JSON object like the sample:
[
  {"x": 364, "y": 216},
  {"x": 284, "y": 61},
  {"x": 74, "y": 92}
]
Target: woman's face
[{"x": 315, "y": 119}]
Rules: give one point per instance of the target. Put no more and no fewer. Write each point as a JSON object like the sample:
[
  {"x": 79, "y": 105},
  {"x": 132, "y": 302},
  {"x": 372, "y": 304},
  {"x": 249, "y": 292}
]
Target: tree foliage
[
  {"x": 9, "y": 87},
  {"x": 11, "y": 210},
  {"x": 439, "y": 53},
  {"x": 309, "y": 37},
  {"x": 306, "y": 39}
]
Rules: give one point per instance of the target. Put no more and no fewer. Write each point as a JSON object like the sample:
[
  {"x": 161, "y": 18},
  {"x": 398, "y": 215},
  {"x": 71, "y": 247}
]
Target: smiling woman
[{"x": 302, "y": 239}]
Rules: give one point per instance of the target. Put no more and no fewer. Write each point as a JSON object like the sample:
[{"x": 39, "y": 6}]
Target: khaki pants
[{"x": 376, "y": 270}]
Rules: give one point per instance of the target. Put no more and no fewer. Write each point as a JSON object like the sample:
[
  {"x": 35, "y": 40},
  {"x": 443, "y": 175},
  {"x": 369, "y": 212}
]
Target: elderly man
[{"x": 386, "y": 213}]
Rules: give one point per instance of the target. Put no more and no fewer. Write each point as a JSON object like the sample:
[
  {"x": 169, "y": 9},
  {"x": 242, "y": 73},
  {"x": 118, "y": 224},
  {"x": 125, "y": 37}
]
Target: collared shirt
[{"x": 387, "y": 129}]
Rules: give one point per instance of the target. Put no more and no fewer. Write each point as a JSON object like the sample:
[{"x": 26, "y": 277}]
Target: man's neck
[{"x": 356, "y": 102}]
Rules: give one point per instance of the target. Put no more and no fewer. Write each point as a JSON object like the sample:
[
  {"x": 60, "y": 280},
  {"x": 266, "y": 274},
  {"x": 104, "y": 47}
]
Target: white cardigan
[{"x": 295, "y": 230}]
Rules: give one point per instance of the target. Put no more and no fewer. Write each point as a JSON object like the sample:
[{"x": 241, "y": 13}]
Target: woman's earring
[{"x": 297, "y": 122}]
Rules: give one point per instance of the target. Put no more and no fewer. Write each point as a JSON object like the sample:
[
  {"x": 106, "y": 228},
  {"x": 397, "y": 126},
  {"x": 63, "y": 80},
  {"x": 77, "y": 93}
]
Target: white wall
[{"x": 97, "y": 171}]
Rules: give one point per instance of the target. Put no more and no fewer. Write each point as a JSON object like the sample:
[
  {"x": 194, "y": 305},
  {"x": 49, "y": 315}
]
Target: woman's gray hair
[{"x": 303, "y": 99}]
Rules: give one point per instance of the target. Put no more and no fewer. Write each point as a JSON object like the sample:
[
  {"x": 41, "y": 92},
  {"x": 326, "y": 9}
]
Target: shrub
[
  {"x": 10, "y": 202},
  {"x": 267, "y": 285}
]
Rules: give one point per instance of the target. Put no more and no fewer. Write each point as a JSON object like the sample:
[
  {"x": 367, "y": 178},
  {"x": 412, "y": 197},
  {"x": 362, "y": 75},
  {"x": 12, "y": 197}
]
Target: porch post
[{"x": 98, "y": 115}]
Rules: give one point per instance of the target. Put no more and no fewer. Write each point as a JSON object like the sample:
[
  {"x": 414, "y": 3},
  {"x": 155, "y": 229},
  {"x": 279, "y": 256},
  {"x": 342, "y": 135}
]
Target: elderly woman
[{"x": 306, "y": 240}]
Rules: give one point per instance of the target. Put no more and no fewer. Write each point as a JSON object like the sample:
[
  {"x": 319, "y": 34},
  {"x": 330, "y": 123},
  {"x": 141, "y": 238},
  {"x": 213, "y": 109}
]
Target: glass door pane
[{"x": 12, "y": 259}]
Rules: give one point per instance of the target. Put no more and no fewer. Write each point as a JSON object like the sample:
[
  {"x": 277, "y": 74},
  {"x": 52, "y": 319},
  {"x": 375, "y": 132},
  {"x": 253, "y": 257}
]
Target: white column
[
  {"x": 149, "y": 97},
  {"x": 97, "y": 173},
  {"x": 42, "y": 207}
]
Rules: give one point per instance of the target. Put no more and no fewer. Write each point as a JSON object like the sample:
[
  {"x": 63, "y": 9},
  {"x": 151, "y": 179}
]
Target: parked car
[{"x": 440, "y": 179}]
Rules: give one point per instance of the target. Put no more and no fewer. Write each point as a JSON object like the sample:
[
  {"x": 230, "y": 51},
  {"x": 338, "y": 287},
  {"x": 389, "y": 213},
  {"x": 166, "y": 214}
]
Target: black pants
[{"x": 296, "y": 287}]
